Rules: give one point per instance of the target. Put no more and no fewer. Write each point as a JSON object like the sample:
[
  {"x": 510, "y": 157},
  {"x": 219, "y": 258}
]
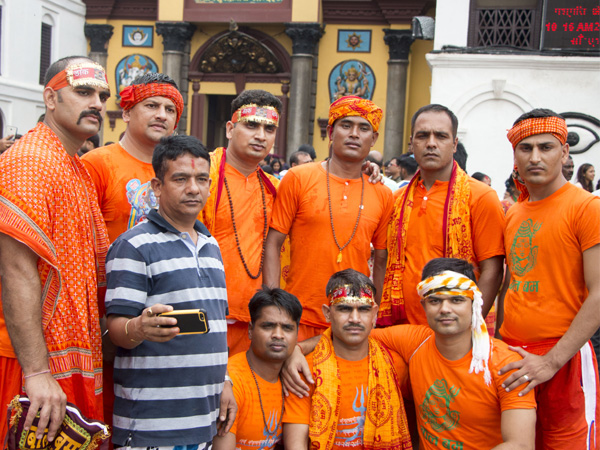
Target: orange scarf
[
  {"x": 385, "y": 420},
  {"x": 48, "y": 201},
  {"x": 458, "y": 241}
]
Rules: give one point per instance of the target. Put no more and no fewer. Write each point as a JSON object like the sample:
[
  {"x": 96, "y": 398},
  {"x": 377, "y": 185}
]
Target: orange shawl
[
  {"x": 458, "y": 242},
  {"x": 385, "y": 419},
  {"x": 48, "y": 202}
]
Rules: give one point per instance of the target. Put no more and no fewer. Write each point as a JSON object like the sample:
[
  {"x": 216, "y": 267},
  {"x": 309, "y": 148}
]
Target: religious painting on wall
[
  {"x": 131, "y": 67},
  {"x": 354, "y": 41},
  {"x": 138, "y": 36},
  {"x": 351, "y": 77}
]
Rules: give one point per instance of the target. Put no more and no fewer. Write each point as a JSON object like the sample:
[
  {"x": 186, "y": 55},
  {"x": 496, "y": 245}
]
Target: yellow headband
[
  {"x": 254, "y": 113},
  {"x": 343, "y": 295}
]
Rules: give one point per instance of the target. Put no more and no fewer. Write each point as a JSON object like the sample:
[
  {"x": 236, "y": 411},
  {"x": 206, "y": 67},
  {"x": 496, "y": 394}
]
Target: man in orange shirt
[
  {"x": 331, "y": 213},
  {"x": 53, "y": 244},
  {"x": 356, "y": 402},
  {"x": 442, "y": 212},
  {"x": 238, "y": 211},
  {"x": 273, "y": 333},
  {"x": 552, "y": 307},
  {"x": 453, "y": 364},
  {"x": 152, "y": 106}
]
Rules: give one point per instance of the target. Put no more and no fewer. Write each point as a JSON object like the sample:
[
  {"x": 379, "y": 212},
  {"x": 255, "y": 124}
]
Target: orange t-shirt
[
  {"x": 249, "y": 427},
  {"x": 425, "y": 237},
  {"x": 249, "y": 222},
  {"x": 545, "y": 241},
  {"x": 354, "y": 376},
  {"x": 455, "y": 408},
  {"x": 301, "y": 210},
  {"x": 123, "y": 186}
]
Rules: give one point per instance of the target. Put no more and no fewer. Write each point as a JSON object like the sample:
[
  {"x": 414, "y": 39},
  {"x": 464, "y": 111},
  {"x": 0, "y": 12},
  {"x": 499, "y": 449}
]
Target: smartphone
[
  {"x": 189, "y": 321},
  {"x": 11, "y": 131}
]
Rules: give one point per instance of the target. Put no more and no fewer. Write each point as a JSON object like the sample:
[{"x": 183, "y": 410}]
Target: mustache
[
  {"x": 353, "y": 327},
  {"x": 89, "y": 112}
]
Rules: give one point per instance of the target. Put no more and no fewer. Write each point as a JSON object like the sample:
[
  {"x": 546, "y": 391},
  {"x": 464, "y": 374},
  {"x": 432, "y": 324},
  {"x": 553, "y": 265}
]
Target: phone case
[{"x": 189, "y": 321}]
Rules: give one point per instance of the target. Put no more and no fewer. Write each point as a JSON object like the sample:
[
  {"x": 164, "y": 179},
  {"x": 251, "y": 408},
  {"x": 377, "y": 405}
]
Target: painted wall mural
[
  {"x": 351, "y": 77},
  {"x": 131, "y": 67},
  {"x": 356, "y": 41},
  {"x": 138, "y": 36}
]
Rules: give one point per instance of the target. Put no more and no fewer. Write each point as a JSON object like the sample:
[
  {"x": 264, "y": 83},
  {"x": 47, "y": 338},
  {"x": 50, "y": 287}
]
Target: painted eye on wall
[{"x": 584, "y": 132}]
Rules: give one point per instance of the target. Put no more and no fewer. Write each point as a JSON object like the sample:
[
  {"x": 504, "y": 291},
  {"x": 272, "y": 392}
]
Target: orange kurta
[
  {"x": 425, "y": 237},
  {"x": 455, "y": 408},
  {"x": 123, "y": 186},
  {"x": 249, "y": 220},
  {"x": 301, "y": 210},
  {"x": 48, "y": 202}
]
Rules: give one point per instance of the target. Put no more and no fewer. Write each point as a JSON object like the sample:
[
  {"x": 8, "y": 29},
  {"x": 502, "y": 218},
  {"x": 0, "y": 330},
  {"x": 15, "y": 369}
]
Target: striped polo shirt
[{"x": 167, "y": 393}]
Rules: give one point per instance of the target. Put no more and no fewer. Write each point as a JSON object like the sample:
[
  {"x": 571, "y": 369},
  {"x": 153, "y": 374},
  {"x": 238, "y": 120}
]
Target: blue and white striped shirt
[{"x": 167, "y": 394}]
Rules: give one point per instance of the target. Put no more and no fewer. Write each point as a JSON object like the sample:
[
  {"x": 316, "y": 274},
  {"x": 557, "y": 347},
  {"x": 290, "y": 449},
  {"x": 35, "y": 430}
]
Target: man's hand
[
  {"x": 372, "y": 169},
  {"x": 227, "y": 410},
  {"x": 532, "y": 369},
  {"x": 290, "y": 374},
  {"x": 128, "y": 332},
  {"x": 46, "y": 396},
  {"x": 6, "y": 142}
]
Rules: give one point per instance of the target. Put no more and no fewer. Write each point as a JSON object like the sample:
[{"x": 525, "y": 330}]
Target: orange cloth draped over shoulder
[
  {"x": 48, "y": 202},
  {"x": 457, "y": 239},
  {"x": 385, "y": 427},
  {"x": 249, "y": 220}
]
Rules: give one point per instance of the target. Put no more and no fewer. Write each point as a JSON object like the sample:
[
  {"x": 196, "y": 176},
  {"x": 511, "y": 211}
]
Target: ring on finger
[
  {"x": 150, "y": 312},
  {"x": 526, "y": 377}
]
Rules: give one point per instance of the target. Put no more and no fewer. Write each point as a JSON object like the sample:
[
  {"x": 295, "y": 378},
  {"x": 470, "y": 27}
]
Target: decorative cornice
[
  {"x": 399, "y": 42},
  {"x": 175, "y": 34},
  {"x": 304, "y": 36},
  {"x": 121, "y": 9},
  {"x": 113, "y": 116},
  {"x": 99, "y": 35},
  {"x": 375, "y": 12}
]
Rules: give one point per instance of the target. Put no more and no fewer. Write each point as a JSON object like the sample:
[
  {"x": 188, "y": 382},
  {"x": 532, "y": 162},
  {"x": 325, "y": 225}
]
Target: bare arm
[
  {"x": 490, "y": 280},
  {"x": 227, "y": 410},
  {"x": 295, "y": 436},
  {"x": 22, "y": 306},
  {"x": 226, "y": 442},
  {"x": 501, "y": 296},
  {"x": 518, "y": 430},
  {"x": 379, "y": 264},
  {"x": 541, "y": 368},
  {"x": 272, "y": 269},
  {"x": 128, "y": 332},
  {"x": 296, "y": 364}
]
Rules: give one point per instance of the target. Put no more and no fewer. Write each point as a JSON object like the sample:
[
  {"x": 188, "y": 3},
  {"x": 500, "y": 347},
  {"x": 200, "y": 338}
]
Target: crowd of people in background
[{"x": 176, "y": 292}]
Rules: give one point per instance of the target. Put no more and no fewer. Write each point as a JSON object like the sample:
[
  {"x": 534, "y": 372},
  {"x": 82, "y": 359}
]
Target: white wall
[
  {"x": 488, "y": 92},
  {"x": 20, "y": 92}
]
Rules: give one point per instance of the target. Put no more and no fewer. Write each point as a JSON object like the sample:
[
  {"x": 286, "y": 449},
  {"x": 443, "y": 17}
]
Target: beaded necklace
[
  {"x": 262, "y": 409},
  {"x": 237, "y": 239},
  {"x": 360, "y": 208}
]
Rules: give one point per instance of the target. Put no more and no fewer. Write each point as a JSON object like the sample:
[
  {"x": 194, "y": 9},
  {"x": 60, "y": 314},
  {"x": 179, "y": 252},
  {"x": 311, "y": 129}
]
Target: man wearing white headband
[{"x": 453, "y": 367}]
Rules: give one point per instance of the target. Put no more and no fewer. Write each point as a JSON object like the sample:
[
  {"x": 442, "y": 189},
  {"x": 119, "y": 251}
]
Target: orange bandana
[
  {"x": 132, "y": 95},
  {"x": 81, "y": 74},
  {"x": 355, "y": 106},
  {"x": 458, "y": 242},
  {"x": 385, "y": 424},
  {"x": 553, "y": 125},
  {"x": 254, "y": 113}
]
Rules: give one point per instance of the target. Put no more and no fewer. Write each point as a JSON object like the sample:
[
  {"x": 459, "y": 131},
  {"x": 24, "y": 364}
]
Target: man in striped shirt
[{"x": 168, "y": 385}]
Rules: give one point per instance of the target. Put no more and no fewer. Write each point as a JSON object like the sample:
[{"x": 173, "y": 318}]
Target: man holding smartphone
[{"x": 169, "y": 262}]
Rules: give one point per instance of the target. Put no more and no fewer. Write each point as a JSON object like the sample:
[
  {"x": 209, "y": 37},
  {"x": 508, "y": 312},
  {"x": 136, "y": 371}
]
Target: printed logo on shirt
[
  {"x": 141, "y": 198},
  {"x": 436, "y": 407},
  {"x": 270, "y": 438},
  {"x": 523, "y": 254},
  {"x": 350, "y": 430}
]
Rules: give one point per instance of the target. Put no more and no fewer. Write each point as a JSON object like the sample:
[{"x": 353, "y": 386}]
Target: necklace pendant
[{"x": 339, "y": 258}]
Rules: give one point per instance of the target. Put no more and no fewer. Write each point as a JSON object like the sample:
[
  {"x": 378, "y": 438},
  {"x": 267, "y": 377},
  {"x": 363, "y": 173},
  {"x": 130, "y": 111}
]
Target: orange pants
[
  {"x": 238, "y": 341},
  {"x": 568, "y": 408},
  {"x": 10, "y": 385}
]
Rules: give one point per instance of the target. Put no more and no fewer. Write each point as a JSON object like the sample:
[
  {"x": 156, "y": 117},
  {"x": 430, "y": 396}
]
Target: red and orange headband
[
  {"x": 81, "y": 74},
  {"x": 343, "y": 294},
  {"x": 254, "y": 113},
  {"x": 538, "y": 125},
  {"x": 355, "y": 106},
  {"x": 132, "y": 95}
]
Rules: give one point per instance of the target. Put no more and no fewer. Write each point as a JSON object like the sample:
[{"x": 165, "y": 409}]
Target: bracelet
[
  {"x": 31, "y": 375},
  {"x": 127, "y": 332},
  {"x": 228, "y": 378},
  {"x": 298, "y": 345}
]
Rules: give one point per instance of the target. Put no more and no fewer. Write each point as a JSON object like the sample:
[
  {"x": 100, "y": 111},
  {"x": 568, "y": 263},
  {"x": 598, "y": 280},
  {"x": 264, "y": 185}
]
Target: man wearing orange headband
[
  {"x": 331, "y": 213},
  {"x": 53, "y": 244},
  {"x": 552, "y": 307},
  {"x": 442, "y": 212},
  {"x": 356, "y": 402}
]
